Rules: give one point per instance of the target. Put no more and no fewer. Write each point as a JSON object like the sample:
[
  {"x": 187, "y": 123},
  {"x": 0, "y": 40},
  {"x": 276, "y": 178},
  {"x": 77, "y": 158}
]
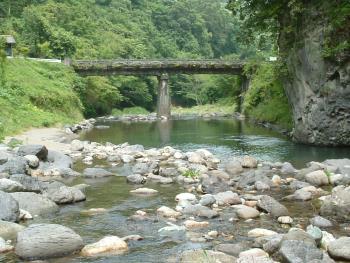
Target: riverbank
[{"x": 232, "y": 208}]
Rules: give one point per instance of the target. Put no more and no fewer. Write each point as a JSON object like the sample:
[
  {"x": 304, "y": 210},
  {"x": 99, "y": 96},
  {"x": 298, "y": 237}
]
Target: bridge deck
[{"x": 157, "y": 67}]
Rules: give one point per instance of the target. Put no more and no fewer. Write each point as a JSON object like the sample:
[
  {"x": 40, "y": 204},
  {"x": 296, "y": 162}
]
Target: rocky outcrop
[{"x": 318, "y": 88}]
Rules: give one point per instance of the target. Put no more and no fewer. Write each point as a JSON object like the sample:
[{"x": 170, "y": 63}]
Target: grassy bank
[
  {"x": 37, "y": 94},
  {"x": 221, "y": 107}
]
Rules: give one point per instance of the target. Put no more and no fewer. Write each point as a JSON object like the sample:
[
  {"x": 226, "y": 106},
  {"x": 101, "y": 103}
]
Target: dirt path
[{"x": 52, "y": 138}]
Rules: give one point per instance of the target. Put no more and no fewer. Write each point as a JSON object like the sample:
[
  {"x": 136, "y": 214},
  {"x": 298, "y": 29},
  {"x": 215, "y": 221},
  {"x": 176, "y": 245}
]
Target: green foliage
[
  {"x": 37, "y": 94},
  {"x": 191, "y": 173},
  {"x": 130, "y": 111},
  {"x": 265, "y": 99}
]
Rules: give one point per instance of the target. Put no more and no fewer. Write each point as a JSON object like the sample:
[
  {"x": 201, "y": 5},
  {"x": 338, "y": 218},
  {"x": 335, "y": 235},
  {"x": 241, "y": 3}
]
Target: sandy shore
[{"x": 52, "y": 138}]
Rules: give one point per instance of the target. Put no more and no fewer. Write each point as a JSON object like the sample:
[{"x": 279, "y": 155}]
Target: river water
[{"x": 225, "y": 138}]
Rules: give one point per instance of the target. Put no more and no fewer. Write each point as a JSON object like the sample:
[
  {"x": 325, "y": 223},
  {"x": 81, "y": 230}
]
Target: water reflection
[{"x": 222, "y": 136}]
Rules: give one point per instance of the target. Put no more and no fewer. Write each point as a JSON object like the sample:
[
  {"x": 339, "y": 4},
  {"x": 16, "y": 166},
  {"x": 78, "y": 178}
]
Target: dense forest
[{"x": 108, "y": 29}]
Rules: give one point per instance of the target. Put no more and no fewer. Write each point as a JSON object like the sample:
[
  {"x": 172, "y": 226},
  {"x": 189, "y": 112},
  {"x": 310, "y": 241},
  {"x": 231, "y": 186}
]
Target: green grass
[
  {"x": 130, "y": 111},
  {"x": 37, "y": 94},
  {"x": 222, "y": 107},
  {"x": 191, "y": 173}
]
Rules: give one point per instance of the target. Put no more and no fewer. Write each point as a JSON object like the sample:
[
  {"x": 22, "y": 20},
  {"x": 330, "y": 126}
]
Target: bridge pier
[{"x": 163, "y": 102}]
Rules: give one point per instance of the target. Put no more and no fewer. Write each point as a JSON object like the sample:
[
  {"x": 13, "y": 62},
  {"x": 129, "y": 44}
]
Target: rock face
[
  {"x": 318, "y": 88},
  {"x": 338, "y": 204},
  {"x": 9, "y": 209},
  {"x": 43, "y": 241},
  {"x": 107, "y": 245},
  {"x": 35, "y": 204}
]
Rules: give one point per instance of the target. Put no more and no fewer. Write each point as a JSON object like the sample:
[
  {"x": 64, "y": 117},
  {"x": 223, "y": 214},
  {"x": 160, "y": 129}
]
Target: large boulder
[
  {"x": 44, "y": 241},
  {"x": 272, "y": 206},
  {"x": 65, "y": 195},
  {"x": 15, "y": 165},
  {"x": 337, "y": 204},
  {"x": 295, "y": 251},
  {"x": 35, "y": 204},
  {"x": 340, "y": 248},
  {"x": 30, "y": 184},
  {"x": 39, "y": 151},
  {"x": 317, "y": 178},
  {"x": 96, "y": 173},
  {"x": 9, "y": 186},
  {"x": 9, "y": 209}
]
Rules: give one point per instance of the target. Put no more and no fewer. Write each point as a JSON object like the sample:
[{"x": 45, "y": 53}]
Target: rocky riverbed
[{"x": 236, "y": 209}]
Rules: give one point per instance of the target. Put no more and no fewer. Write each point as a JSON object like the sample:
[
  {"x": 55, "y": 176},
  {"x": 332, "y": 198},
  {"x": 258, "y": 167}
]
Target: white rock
[
  {"x": 327, "y": 238},
  {"x": 186, "y": 197},
  {"x": 254, "y": 252},
  {"x": 107, "y": 245},
  {"x": 190, "y": 224},
  {"x": 261, "y": 232},
  {"x": 24, "y": 215},
  {"x": 168, "y": 212},
  {"x": 144, "y": 191},
  {"x": 127, "y": 158},
  {"x": 285, "y": 220},
  {"x": 33, "y": 161},
  {"x": 4, "y": 246}
]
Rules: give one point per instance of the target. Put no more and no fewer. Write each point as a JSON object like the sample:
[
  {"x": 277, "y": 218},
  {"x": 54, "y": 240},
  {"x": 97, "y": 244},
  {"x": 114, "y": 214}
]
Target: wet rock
[
  {"x": 44, "y": 241},
  {"x": 233, "y": 249},
  {"x": 15, "y": 165},
  {"x": 31, "y": 184},
  {"x": 339, "y": 249},
  {"x": 135, "y": 179},
  {"x": 132, "y": 238},
  {"x": 35, "y": 204},
  {"x": 186, "y": 197},
  {"x": 207, "y": 200},
  {"x": 227, "y": 198},
  {"x": 295, "y": 185},
  {"x": 320, "y": 222},
  {"x": 160, "y": 179},
  {"x": 144, "y": 191},
  {"x": 9, "y": 186},
  {"x": 39, "y": 151},
  {"x": 201, "y": 211},
  {"x": 288, "y": 169},
  {"x": 191, "y": 224},
  {"x": 296, "y": 251},
  {"x": 168, "y": 172},
  {"x": 251, "y": 177},
  {"x": 96, "y": 173},
  {"x": 246, "y": 212},
  {"x": 168, "y": 212},
  {"x": 141, "y": 168},
  {"x": 234, "y": 167},
  {"x": 271, "y": 206},
  {"x": 9, "y": 230},
  {"x": 199, "y": 256},
  {"x": 261, "y": 232},
  {"x": 173, "y": 231},
  {"x": 107, "y": 245},
  {"x": 94, "y": 211},
  {"x": 249, "y": 162},
  {"x": 338, "y": 204},
  {"x": 33, "y": 161},
  {"x": 299, "y": 235},
  {"x": 300, "y": 195},
  {"x": 65, "y": 195},
  {"x": 9, "y": 209}
]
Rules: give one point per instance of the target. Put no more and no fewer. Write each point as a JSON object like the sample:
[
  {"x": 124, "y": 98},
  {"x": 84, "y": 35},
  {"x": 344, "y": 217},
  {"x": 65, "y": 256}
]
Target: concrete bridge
[{"x": 160, "y": 68}]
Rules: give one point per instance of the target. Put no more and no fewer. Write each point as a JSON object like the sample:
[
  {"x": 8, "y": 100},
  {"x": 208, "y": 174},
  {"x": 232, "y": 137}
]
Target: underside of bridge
[{"x": 161, "y": 69}]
